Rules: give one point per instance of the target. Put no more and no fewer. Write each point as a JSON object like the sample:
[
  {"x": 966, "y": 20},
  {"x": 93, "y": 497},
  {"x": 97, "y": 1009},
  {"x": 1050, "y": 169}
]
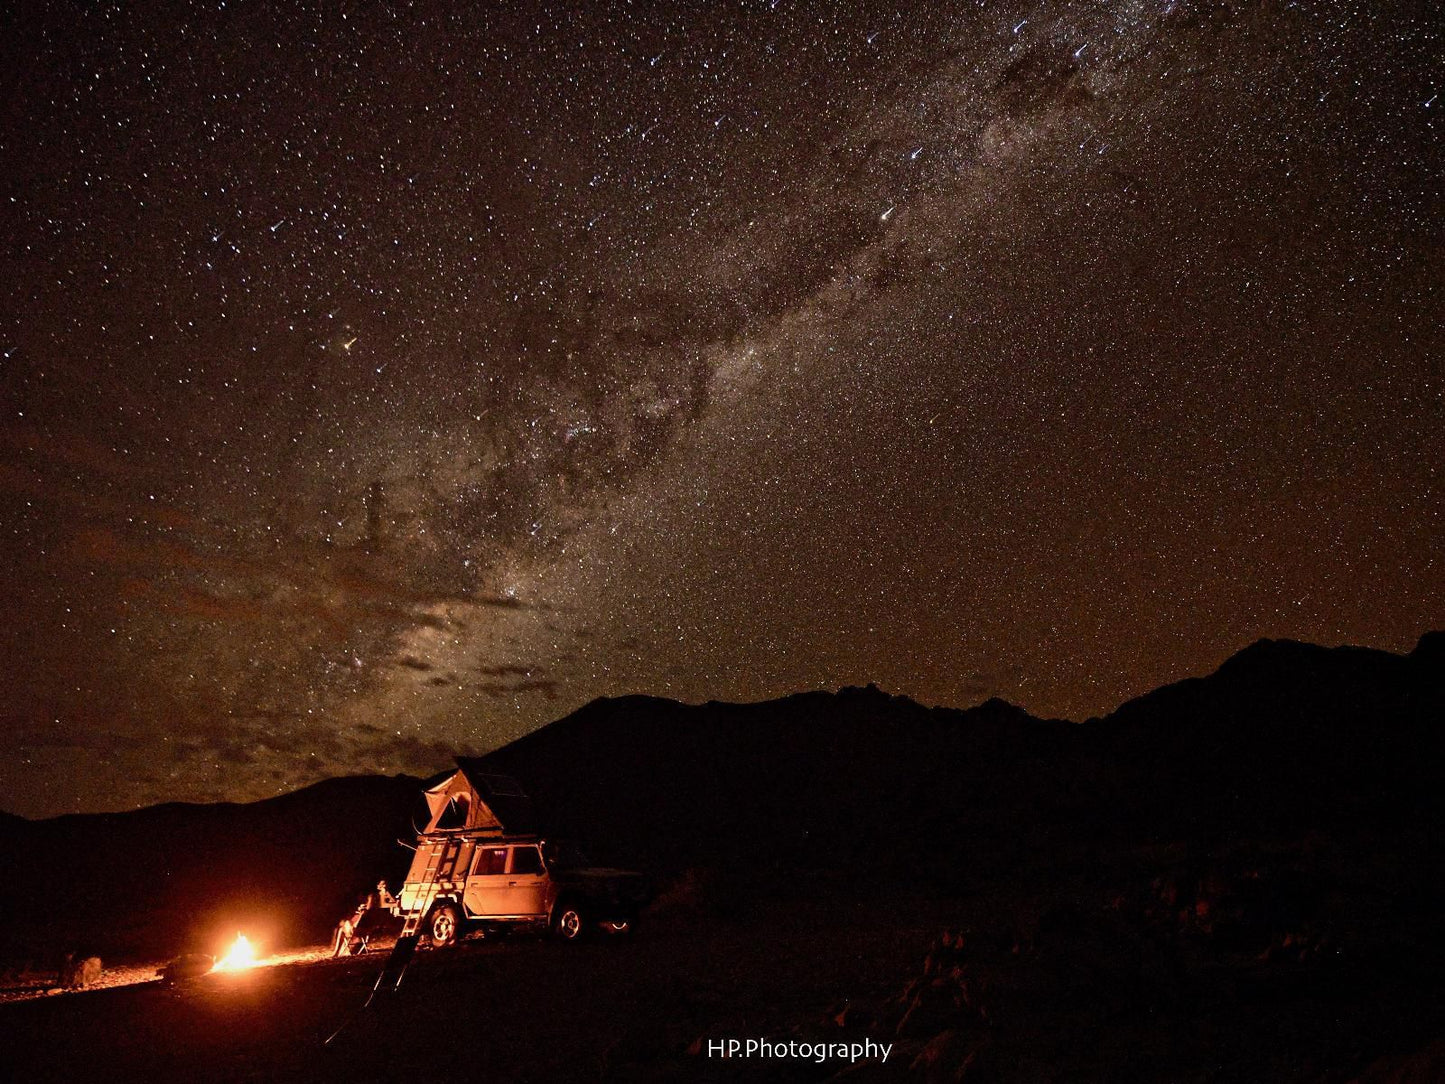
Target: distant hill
[
  {"x": 175, "y": 876},
  {"x": 835, "y": 780},
  {"x": 1284, "y": 738},
  {"x": 1287, "y": 735}
]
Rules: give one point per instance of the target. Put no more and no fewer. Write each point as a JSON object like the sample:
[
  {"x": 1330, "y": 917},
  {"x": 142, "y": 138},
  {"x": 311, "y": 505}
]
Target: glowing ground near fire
[{"x": 241, "y": 958}]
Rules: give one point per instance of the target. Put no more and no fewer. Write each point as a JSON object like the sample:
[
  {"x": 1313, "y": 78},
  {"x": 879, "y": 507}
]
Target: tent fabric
[{"x": 489, "y": 800}]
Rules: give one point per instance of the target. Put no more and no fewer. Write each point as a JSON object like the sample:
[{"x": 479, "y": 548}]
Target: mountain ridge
[{"x": 1283, "y": 737}]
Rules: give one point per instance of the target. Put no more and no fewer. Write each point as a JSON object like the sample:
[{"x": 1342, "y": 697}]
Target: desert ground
[
  {"x": 1012, "y": 980},
  {"x": 523, "y": 1008}
]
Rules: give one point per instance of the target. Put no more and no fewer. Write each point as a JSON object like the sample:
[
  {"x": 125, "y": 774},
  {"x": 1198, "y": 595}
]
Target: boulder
[
  {"x": 943, "y": 1059},
  {"x": 80, "y": 973},
  {"x": 933, "y": 1009},
  {"x": 190, "y": 966}
]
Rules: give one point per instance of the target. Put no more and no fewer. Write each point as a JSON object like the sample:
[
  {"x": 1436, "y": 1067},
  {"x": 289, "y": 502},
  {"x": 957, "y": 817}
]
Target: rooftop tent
[{"x": 474, "y": 798}]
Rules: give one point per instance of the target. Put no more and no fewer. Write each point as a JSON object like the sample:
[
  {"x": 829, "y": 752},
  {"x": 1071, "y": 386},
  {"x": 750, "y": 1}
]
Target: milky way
[{"x": 381, "y": 383}]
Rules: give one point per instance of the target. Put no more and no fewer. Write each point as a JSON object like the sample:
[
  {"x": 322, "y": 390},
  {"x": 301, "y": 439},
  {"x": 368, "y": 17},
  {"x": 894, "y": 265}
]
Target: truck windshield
[{"x": 566, "y": 854}]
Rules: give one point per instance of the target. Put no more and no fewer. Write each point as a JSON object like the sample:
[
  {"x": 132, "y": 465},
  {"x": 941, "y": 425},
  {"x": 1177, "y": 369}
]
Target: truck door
[
  {"x": 486, "y": 891},
  {"x": 527, "y": 881}
]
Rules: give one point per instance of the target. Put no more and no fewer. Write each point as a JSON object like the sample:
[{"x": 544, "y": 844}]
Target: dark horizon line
[{"x": 1262, "y": 642}]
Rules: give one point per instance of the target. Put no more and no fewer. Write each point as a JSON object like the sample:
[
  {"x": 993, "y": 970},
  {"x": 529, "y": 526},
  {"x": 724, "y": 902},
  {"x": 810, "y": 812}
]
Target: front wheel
[
  {"x": 569, "y": 923},
  {"x": 617, "y": 927},
  {"x": 444, "y": 925}
]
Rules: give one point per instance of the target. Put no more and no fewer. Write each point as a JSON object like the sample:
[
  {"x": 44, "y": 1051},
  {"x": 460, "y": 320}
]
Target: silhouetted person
[{"x": 368, "y": 914}]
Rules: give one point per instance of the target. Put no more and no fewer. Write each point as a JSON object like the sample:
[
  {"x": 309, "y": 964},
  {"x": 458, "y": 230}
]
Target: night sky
[{"x": 383, "y": 382}]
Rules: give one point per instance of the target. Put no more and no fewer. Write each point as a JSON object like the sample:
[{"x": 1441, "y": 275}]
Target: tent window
[{"x": 455, "y": 814}]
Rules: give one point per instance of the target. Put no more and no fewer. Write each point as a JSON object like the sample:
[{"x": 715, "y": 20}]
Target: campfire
[{"x": 241, "y": 955}]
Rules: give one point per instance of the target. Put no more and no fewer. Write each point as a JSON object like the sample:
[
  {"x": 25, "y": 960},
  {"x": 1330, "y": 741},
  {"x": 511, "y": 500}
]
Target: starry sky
[{"x": 384, "y": 381}]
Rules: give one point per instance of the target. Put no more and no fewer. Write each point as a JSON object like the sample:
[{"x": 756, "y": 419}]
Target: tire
[
  {"x": 618, "y": 927},
  {"x": 568, "y": 922},
  {"x": 444, "y": 925}
]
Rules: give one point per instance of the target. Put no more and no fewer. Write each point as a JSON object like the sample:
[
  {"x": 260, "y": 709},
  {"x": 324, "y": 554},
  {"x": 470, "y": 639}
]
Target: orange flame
[{"x": 241, "y": 955}]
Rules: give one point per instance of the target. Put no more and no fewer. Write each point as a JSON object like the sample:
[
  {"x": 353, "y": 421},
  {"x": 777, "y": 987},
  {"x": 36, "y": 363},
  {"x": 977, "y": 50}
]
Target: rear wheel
[
  {"x": 444, "y": 925},
  {"x": 569, "y": 923}
]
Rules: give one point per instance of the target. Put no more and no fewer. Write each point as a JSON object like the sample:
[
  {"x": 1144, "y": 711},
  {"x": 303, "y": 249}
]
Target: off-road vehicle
[{"x": 473, "y": 871}]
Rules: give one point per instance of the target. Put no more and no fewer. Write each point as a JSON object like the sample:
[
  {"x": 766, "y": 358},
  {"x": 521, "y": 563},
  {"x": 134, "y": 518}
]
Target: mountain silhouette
[
  {"x": 1284, "y": 738},
  {"x": 1287, "y": 735},
  {"x": 157, "y": 879}
]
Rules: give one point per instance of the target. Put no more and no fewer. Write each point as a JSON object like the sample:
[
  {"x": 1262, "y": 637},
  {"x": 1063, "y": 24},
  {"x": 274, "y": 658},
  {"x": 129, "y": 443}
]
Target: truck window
[
  {"x": 491, "y": 861},
  {"x": 526, "y": 860}
]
